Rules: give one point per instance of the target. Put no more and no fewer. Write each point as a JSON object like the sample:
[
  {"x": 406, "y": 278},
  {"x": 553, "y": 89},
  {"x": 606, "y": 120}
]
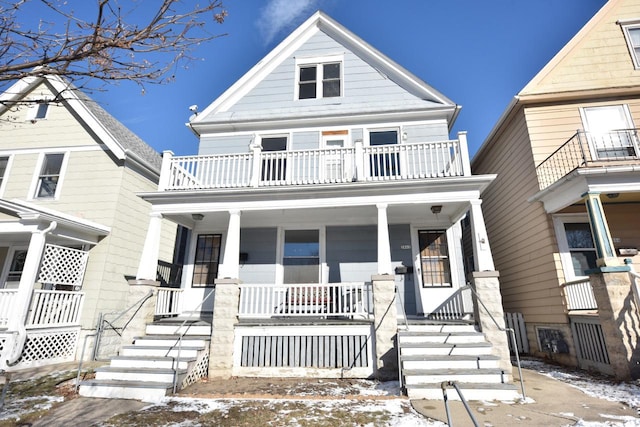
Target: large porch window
[
  {"x": 301, "y": 256},
  {"x": 207, "y": 260},
  {"x": 434, "y": 258}
]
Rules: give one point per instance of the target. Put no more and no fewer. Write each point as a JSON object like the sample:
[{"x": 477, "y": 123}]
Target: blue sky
[{"x": 477, "y": 53}]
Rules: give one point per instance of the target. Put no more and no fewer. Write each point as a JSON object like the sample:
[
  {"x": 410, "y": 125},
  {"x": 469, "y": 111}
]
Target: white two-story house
[{"x": 325, "y": 206}]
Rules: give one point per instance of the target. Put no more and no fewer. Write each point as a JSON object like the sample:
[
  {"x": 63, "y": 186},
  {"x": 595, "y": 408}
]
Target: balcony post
[
  {"x": 600, "y": 230},
  {"x": 165, "y": 170},
  {"x": 464, "y": 153},
  {"x": 359, "y": 159},
  {"x": 256, "y": 149}
]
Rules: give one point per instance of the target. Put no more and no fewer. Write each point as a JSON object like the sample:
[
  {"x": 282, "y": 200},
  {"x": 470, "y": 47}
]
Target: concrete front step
[
  {"x": 117, "y": 389},
  {"x": 452, "y": 362},
  {"x": 442, "y": 337},
  {"x": 422, "y": 376},
  {"x": 470, "y": 391},
  {"x": 158, "y": 362},
  {"x": 139, "y": 374},
  {"x": 178, "y": 329},
  {"x": 172, "y": 340},
  {"x": 163, "y": 351},
  {"x": 469, "y": 349}
]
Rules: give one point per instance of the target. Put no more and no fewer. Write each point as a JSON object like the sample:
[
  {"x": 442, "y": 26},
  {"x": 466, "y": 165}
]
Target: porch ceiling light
[
  {"x": 436, "y": 209},
  {"x": 197, "y": 216},
  {"x": 613, "y": 195}
]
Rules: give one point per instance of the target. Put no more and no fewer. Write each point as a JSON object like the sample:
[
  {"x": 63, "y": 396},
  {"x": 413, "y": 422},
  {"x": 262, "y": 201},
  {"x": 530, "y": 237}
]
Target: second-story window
[
  {"x": 320, "y": 80},
  {"x": 4, "y": 166},
  {"x": 631, "y": 32},
  {"x": 49, "y": 176}
]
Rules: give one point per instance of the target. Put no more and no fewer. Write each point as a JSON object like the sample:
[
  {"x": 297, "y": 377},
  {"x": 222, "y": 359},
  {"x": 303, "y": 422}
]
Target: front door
[
  {"x": 383, "y": 161},
  {"x": 434, "y": 258}
]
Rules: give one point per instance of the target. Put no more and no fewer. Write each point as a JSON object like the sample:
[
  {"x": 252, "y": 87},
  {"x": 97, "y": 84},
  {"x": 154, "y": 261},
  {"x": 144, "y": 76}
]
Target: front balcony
[
  {"x": 320, "y": 166},
  {"x": 588, "y": 149}
]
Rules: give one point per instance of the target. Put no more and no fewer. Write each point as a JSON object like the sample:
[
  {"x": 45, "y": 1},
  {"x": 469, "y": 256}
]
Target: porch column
[
  {"x": 28, "y": 277},
  {"x": 148, "y": 267},
  {"x": 605, "y": 250},
  {"x": 385, "y": 319},
  {"x": 225, "y": 317},
  {"x": 482, "y": 258},
  {"x": 230, "y": 268},
  {"x": 384, "y": 248}
]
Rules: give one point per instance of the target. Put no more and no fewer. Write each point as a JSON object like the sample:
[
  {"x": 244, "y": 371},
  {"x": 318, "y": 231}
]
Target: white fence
[
  {"x": 579, "y": 295},
  {"x": 59, "y": 308},
  {"x": 169, "y": 301},
  {"x": 515, "y": 321},
  {"x": 305, "y": 300},
  {"x": 322, "y": 166}
]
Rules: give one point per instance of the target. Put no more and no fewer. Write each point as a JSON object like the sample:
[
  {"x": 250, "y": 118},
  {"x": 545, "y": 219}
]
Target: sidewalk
[{"x": 556, "y": 404}]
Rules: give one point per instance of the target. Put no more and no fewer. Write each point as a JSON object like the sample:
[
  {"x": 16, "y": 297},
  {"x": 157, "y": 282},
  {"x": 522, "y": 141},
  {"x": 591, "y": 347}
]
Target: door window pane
[
  {"x": 434, "y": 258},
  {"x": 207, "y": 260},
  {"x": 17, "y": 266},
  {"x": 301, "y": 259}
]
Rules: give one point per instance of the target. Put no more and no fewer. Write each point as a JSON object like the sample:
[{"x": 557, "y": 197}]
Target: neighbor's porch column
[
  {"x": 29, "y": 277},
  {"x": 384, "y": 248},
  {"x": 148, "y": 267},
  {"x": 482, "y": 258},
  {"x": 230, "y": 268},
  {"x": 605, "y": 250}
]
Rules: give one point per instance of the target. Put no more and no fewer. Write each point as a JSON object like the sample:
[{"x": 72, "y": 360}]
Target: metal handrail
[
  {"x": 511, "y": 332},
  {"x": 176, "y": 360},
  {"x": 453, "y": 384}
]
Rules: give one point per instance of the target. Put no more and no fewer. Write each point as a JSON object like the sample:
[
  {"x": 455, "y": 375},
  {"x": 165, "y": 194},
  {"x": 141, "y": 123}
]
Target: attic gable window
[
  {"x": 38, "y": 111},
  {"x": 319, "y": 78},
  {"x": 631, "y": 30}
]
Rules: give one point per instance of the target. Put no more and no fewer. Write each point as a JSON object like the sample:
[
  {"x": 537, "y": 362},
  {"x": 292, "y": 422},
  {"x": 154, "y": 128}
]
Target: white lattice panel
[
  {"x": 51, "y": 346},
  {"x": 63, "y": 266},
  {"x": 199, "y": 370}
]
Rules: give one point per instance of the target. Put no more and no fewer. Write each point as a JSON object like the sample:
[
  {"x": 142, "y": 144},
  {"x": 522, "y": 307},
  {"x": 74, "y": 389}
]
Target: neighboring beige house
[
  {"x": 71, "y": 225},
  {"x": 563, "y": 213}
]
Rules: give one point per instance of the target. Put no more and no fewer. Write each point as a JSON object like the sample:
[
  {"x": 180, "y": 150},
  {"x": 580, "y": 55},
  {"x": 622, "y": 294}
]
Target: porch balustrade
[
  {"x": 55, "y": 308},
  {"x": 305, "y": 300},
  {"x": 584, "y": 149},
  {"x": 323, "y": 166},
  {"x": 579, "y": 295},
  {"x": 169, "y": 302},
  {"x": 8, "y": 299}
]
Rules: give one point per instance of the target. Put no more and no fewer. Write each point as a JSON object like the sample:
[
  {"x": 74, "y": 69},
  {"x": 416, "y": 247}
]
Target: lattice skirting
[
  {"x": 199, "y": 370},
  {"x": 49, "y": 346}
]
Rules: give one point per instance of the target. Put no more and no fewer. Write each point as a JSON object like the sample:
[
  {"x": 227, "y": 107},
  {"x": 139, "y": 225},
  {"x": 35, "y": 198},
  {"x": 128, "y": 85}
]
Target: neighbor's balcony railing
[
  {"x": 322, "y": 166},
  {"x": 352, "y": 300},
  {"x": 579, "y": 295},
  {"x": 586, "y": 148}
]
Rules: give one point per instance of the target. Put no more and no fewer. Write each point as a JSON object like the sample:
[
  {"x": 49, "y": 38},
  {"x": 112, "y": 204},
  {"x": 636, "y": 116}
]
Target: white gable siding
[{"x": 229, "y": 144}]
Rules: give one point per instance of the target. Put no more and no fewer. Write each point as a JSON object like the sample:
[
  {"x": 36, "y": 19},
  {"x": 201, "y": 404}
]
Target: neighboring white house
[
  {"x": 326, "y": 205},
  {"x": 71, "y": 225}
]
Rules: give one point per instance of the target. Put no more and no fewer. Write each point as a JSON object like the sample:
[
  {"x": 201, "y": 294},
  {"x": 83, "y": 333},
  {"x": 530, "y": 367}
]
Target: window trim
[
  {"x": 4, "y": 178},
  {"x": 318, "y": 61},
  {"x": 627, "y": 25},
  {"x": 36, "y": 175},
  {"x": 559, "y": 220}
]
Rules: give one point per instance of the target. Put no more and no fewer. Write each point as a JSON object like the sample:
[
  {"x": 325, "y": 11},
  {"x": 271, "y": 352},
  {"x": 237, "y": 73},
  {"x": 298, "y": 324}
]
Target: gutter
[{"x": 142, "y": 162}]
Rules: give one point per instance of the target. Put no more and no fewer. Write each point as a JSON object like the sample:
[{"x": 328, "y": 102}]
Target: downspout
[{"x": 21, "y": 339}]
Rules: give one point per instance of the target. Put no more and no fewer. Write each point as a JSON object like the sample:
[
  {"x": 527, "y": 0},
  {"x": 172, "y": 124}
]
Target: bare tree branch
[{"x": 105, "y": 40}]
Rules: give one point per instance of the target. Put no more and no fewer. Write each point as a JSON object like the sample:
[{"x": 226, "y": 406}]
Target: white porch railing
[
  {"x": 579, "y": 295},
  {"x": 323, "y": 166},
  {"x": 169, "y": 301},
  {"x": 305, "y": 300},
  {"x": 7, "y": 302},
  {"x": 55, "y": 308}
]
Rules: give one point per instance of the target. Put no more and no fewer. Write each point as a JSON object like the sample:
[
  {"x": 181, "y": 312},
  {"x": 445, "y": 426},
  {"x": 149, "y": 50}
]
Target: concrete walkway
[{"x": 556, "y": 404}]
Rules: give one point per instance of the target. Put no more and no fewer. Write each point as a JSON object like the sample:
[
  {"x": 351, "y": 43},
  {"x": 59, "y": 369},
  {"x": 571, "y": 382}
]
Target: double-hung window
[
  {"x": 4, "y": 167},
  {"x": 319, "y": 78},
  {"x": 576, "y": 246},
  {"x": 49, "y": 176},
  {"x": 631, "y": 30}
]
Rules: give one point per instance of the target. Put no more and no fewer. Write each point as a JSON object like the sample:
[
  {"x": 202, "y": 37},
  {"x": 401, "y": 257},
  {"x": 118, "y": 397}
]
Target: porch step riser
[
  {"x": 466, "y": 378},
  {"x": 450, "y": 364},
  {"x": 143, "y": 377},
  {"x": 155, "y": 329},
  {"x": 117, "y": 392},
  {"x": 156, "y": 364},
  {"x": 150, "y": 342},
  {"x": 161, "y": 352},
  {"x": 435, "y": 351},
  {"x": 468, "y": 393}
]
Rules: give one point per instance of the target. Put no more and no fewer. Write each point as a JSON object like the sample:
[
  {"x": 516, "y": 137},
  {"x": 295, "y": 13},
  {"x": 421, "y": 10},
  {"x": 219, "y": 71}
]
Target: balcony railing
[
  {"x": 585, "y": 149},
  {"x": 322, "y": 166}
]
